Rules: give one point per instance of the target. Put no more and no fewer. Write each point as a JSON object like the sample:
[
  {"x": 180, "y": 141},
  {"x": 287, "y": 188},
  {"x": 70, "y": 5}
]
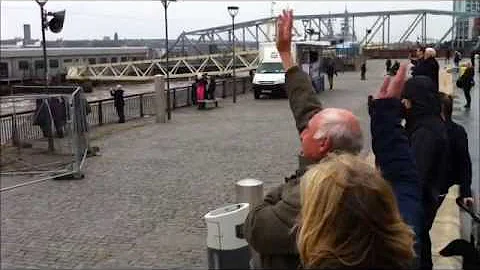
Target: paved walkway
[{"x": 142, "y": 202}]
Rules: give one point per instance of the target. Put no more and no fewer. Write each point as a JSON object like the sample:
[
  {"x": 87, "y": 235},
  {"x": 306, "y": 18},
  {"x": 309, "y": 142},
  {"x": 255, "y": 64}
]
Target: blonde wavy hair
[{"x": 350, "y": 218}]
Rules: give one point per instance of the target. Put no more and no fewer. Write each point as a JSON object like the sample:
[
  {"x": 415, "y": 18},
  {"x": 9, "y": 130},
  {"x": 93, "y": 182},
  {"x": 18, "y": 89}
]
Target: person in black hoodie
[
  {"x": 460, "y": 163},
  {"x": 428, "y": 138},
  {"x": 428, "y": 67}
]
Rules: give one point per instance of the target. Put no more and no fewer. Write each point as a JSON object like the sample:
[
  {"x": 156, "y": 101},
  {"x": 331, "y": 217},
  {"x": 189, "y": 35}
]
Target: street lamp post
[
  {"x": 55, "y": 25},
  {"x": 165, "y": 7},
  {"x": 43, "y": 18},
  {"x": 305, "y": 25},
  {"x": 233, "y": 11}
]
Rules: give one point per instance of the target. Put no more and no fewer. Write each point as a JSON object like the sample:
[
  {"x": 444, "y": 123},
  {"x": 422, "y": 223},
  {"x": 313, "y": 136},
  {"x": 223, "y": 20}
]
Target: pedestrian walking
[
  {"x": 457, "y": 58},
  {"x": 466, "y": 82},
  {"x": 119, "y": 102},
  {"x": 363, "y": 71},
  {"x": 447, "y": 56},
  {"x": 331, "y": 70},
  {"x": 472, "y": 58}
]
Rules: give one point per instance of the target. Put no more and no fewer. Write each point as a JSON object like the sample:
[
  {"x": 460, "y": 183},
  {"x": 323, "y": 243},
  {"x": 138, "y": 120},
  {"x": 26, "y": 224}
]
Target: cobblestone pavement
[{"x": 142, "y": 202}]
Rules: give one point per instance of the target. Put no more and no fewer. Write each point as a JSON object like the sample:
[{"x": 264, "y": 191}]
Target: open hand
[
  {"x": 393, "y": 87},
  {"x": 284, "y": 31}
]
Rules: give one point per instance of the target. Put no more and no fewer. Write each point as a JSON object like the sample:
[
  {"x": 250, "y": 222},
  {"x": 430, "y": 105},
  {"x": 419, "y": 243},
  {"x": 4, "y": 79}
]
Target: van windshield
[{"x": 270, "y": 68}]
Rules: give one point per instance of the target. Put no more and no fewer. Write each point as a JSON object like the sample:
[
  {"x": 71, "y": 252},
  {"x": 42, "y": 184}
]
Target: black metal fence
[{"x": 103, "y": 112}]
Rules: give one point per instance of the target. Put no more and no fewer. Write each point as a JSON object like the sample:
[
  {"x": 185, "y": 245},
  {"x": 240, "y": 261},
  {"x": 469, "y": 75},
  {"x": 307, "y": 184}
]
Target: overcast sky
[{"x": 145, "y": 19}]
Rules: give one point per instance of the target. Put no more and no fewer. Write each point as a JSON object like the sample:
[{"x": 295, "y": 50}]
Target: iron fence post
[
  {"x": 141, "y": 105},
  {"x": 100, "y": 114},
  {"x": 224, "y": 86},
  {"x": 174, "y": 98}
]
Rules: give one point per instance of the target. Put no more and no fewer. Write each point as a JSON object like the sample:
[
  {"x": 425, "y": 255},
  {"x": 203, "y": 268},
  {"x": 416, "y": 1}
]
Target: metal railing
[{"x": 103, "y": 112}]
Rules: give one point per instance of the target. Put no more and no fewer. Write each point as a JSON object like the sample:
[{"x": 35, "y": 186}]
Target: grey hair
[
  {"x": 431, "y": 52},
  {"x": 342, "y": 134}
]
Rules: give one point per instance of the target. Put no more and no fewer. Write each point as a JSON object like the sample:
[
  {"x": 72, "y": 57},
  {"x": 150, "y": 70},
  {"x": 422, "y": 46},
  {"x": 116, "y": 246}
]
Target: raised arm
[
  {"x": 392, "y": 151},
  {"x": 303, "y": 101}
]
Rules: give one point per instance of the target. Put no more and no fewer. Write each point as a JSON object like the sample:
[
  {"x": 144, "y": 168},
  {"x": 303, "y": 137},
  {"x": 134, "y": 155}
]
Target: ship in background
[{"x": 344, "y": 42}]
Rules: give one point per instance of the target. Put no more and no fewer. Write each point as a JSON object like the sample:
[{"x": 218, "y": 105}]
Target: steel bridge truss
[
  {"x": 257, "y": 31},
  {"x": 180, "y": 67},
  {"x": 194, "y": 53}
]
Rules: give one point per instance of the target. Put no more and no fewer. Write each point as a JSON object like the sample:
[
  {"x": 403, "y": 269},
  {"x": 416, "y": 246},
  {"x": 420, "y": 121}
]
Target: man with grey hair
[
  {"x": 269, "y": 226},
  {"x": 428, "y": 67}
]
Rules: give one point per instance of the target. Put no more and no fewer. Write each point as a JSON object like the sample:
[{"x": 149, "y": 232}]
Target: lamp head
[
  {"x": 41, "y": 2},
  {"x": 233, "y": 10},
  {"x": 56, "y": 23}
]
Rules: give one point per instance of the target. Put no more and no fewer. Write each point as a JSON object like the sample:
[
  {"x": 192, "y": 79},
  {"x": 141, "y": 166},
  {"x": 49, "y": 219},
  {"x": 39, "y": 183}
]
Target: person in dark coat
[
  {"x": 119, "y": 102},
  {"x": 331, "y": 70},
  {"x": 457, "y": 58},
  {"x": 388, "y": 65},
  {"x": 194, "y": 91},
  {"x": 363, "y": 71},
  {"x": 428, "y": 139},
  {"x": 460, "y": 169},
  {"x": 447, "y": 56},
  {"x": 270, "y": 226},
  {"x": 467, "y": 82},
  {"x": 42, "y": 117},
  {"x": 211, "y": 88},
  {"x": 59, "y": 114},
  {"x": 428, "y": 67}
]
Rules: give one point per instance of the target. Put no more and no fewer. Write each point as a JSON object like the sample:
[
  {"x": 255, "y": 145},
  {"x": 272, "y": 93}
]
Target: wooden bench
[{"x": 209, "y": 103}]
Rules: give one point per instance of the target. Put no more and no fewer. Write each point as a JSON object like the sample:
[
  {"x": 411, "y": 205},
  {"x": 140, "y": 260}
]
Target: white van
[{"x": 269, "y": 78}]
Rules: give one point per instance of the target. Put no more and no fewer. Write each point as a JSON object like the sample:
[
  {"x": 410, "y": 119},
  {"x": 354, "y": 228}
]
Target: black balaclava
[{"x": 421, "y": 92}]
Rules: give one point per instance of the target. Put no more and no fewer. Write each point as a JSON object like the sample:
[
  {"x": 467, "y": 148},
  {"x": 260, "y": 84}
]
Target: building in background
[{"x": 467, "y": 28}]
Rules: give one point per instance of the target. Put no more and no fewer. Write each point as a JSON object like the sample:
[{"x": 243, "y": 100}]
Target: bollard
[
  {"x": 477, "y": 62},
  {"x": 250, "y": 191},
  {"x": 226, "y": 246},
  {"x": 160, "y": 106}
]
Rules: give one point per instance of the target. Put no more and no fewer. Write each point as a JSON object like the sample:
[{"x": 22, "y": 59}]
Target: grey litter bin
[{"x": 226, "y": 245}]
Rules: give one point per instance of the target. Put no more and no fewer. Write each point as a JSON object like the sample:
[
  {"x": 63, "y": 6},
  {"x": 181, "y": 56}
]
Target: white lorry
[{"x": 269, "y": 78}]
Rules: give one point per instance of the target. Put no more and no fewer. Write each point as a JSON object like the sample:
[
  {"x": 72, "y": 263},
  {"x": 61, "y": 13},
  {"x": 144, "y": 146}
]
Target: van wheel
[{"x": 256, "y": 94}]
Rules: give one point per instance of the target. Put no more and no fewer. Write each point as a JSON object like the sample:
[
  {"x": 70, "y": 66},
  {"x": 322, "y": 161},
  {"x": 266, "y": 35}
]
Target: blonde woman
[{"x": 350, "y": 219}]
